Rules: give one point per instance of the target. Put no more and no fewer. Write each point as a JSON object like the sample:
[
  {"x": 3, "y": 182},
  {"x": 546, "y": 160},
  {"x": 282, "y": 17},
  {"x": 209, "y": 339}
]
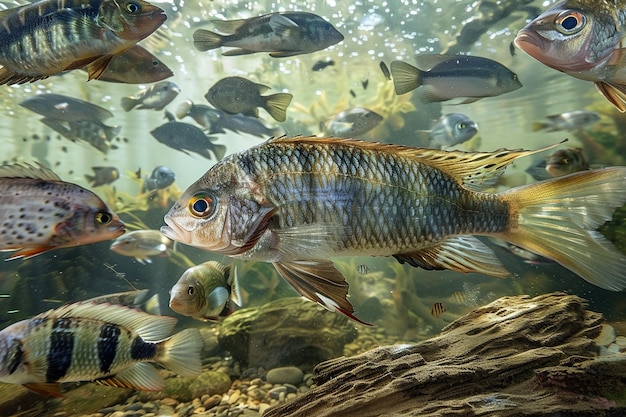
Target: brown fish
[
  {"x": 296, "y": 202},
  {"x": 51, "y": 36},
  {"x": 40, "y": 212},
  {"x": 136, "y": 66}
]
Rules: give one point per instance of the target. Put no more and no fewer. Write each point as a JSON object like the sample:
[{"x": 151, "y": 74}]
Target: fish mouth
[
  {"x": 175, "y": 232},
  {"x": 531, "y": 43}
]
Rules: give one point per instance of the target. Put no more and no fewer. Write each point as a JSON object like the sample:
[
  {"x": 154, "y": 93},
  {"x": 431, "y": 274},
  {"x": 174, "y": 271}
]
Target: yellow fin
[
  {"x": 45, "y": 388},
  {"x": 141, "y": 376},
  {"x": 98, "y": 67},
  {"x": 276, "y": 105}
]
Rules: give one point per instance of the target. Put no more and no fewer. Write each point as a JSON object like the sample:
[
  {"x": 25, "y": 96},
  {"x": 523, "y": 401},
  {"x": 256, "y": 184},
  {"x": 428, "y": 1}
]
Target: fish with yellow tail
[
  {"x": 105, "y": 343},
  {"x": 48, "y": 37},
  {"x": 296, "y": 202}
]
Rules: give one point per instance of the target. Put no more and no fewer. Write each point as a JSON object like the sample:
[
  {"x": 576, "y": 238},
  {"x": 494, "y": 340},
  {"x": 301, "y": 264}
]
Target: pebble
[
  {"x": 621, "y": 342},
  {"x": 285, "y": 375},
  {"x": 606, "y": 336}
]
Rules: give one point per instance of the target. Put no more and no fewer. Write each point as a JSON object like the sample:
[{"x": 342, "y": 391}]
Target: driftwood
[{"x": 516, "y": 356}]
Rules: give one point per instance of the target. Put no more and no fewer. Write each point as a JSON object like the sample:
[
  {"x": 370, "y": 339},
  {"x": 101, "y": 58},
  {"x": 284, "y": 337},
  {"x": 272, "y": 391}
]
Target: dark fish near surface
[
  {"x": 98, "y": 135},
  {"x": 452, "y": 129},
  {"x": 353, "y": 122},
  {"x": 208, "y": 291},
  {"x": 161, "y": 177},
  {"x": 321, "y": 65},
  {"x": 51, "y": 36},
  {"x": 582, "y": 38},
  {"x": 107, "y": 343},
  {"x": 102, "y": 176},
  {"x": 155, "y": 97},
  {"x": 40, "y": 212},
  {"x": 296, "y": 202},
  {"x": 238, "y": 95},
  {"x": 217, "y": 121},
  {"x": 135, "y": 66},
  {"x": 446, "y": 77},
  {"x": 69, "y": 109},
  {"x": 141, "y": 245},
  {"x": 282, "y": 34},
  {"x": 571, "y": 120},
  {"x": 187, "y": 138}
]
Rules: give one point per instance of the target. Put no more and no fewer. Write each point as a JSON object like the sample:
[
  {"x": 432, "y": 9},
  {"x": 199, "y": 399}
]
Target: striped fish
[
  {"x": 104, "y": 343},
  {"x": 51, "y": 36},
  {"x": 437, "y": 309}
]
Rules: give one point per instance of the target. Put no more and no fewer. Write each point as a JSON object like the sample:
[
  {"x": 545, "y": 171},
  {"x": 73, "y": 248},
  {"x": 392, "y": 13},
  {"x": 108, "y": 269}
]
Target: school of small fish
[{"x": 295, "y": 200}]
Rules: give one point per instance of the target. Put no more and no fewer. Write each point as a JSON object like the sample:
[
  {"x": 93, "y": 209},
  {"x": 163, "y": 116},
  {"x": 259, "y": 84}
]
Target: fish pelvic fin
[
  {"x": 406, "y": 77},
  {"x": 319, "y": 281},
  {"x": 460, "y": 253},
  {"x": 205, "y": 40},
  {"x": 181, "y": 353},
  {"x": 614, "y": 93},
  {"x": 46, "y": 389},
  {"x": 558, "y": 218},
  {"x": 276, "y": 105}
]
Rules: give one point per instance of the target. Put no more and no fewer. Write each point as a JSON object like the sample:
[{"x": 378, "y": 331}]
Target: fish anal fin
[
  {"x": 141, "y": 376},
  {"x": 29, "y": 252},
  {"x": 319, "y": 281},
  {"x": 615, "y": 94},
  {"x": 460, "y": 253},
  {"x": 285, "y": 54},
  {"x": 11, "y": 77},
  {"x": 46, "y": 389},
  {"x": 237, "y": 52}
]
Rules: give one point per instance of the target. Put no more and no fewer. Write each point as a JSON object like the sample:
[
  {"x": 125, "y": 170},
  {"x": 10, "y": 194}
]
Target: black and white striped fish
[{"x": 105, "y": 343}]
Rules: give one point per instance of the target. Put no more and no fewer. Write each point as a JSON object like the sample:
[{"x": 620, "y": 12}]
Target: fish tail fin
[
  {"x": 128, "y": 103},
  {"x": 276, "y": 105},
  {"x": 558, "y": 218},
  {"x": 220, "y": 151},
  {"x": 406, "y": 77},
  {"x": 539, "y": 126},
  {"x": 181, "y": 353},
  {"x": 205, "y": 40}
]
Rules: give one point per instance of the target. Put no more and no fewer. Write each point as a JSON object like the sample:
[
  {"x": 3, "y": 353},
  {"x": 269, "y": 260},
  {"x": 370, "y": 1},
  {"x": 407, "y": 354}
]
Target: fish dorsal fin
[
  {"x": 474, "y": 170},
  {"x": 460, "y": 253},
  {"x": 149, "y": 327},
  {"x": 319, "y": 281},
  {"x": 261, "y": 88},
  {"x": 426, "y": 62},
  {"x": 216, "y": 265},
  {"x": 228, "y": 27},
  {"x": 284, "y": 27},
  {"x": 25, "y": 170}
]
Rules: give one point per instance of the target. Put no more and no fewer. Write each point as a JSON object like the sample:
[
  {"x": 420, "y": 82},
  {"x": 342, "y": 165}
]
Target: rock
[
  {"x": 606, "y": 336},
  {"x": 287, "y": 331},
  {"x": 285, "y": 375},
  {"x": 186, "y": 389},
  {"x": 516, "y": 356}
]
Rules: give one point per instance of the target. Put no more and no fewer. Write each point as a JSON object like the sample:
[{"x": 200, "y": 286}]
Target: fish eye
[
  {"x": 202, "y": 205},
  {"x": 103, "y": 218},
  {"x": 570, "y": 22},
  {"x": 133, "y": 7},
  {"x": 191, "y": 290},
  {"x": 461, "y": 125}
]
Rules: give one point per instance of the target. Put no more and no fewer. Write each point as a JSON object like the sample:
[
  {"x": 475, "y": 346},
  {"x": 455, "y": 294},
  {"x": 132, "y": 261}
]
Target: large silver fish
[
  {"x": 584, "y": 39},
  {"x": 90, "y": 341},
  {"x": 40, "y": 212},
  {"x": 297, "y": 202}
]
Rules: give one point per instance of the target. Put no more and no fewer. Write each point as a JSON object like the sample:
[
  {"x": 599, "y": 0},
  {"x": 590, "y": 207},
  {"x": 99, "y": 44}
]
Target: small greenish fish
[
  {"x": 353, "y": 122},
  {"x": 187, "y": 138},
  {"x": 142, "y": 244},
  {"x": 102, "y": 176},
  {"x": 209, "y": 291},
  {"x": 298, "y": 202},
  {"x": 41, "y": 212},
  {"x": 155, "y": 97},
  {"x": 571, "y": 120},
  {"x": 87, "y": 341},
  {"x": 238, "y": 95},
  {"x": 282, "y": 34},
  {"x": 447, "y": 77},
  {"x": 135, "y": 66}
]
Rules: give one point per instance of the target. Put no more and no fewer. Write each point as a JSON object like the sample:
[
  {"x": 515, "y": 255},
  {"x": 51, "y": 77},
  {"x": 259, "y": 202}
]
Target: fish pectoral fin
[
  {"x": 29, "y": 252},
  {"x": 284, "y": 27},
  {"x": 614, "y": 93},
  {"x": 46, "y": 388},
  {"x": 319, "y": 281},
  {"x": 461, "y": 254},
  {"x": 141, "y": 376},
  {"x": 97, "y": 67}
]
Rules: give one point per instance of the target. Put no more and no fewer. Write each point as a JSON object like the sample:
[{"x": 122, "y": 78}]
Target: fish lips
[{"x": 543, "y": 50}]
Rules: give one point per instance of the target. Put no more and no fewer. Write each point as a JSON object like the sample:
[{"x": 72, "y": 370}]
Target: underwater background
[{"x": 405, "y": 304}]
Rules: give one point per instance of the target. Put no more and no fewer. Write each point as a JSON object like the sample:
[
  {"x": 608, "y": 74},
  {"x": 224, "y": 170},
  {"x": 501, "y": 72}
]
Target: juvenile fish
[
  {"x": 98, "y": 135},
  {"x": 155, "y": 97},
  {"x": 282, "y": 34},
  {"x": 107, "y": 343},
  {"x": 187, "y": 138},
  {"x": 66, "y": 108},
  {"x": 208, "y": 291},
  {"x": 40, "y": 212},
  {"x": 238, "y": 95},
  {"x": 135, "y": 66},
  {"x": 452, "y": 129},
  {"x": 353, "y": 122},
  {"x": 571, "y": 120},
  {"x": 446, "y": 77},
  {"x": 583, "y": 39},
  {"x": 102, "y": 176},
  {"x": 297, "y": 202},
  {"x": 51, "y": 36},
  {"x": 321, "y": 65},
  {"x": 161, "y": 177},
  {"x": 141, "y": 245}
]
